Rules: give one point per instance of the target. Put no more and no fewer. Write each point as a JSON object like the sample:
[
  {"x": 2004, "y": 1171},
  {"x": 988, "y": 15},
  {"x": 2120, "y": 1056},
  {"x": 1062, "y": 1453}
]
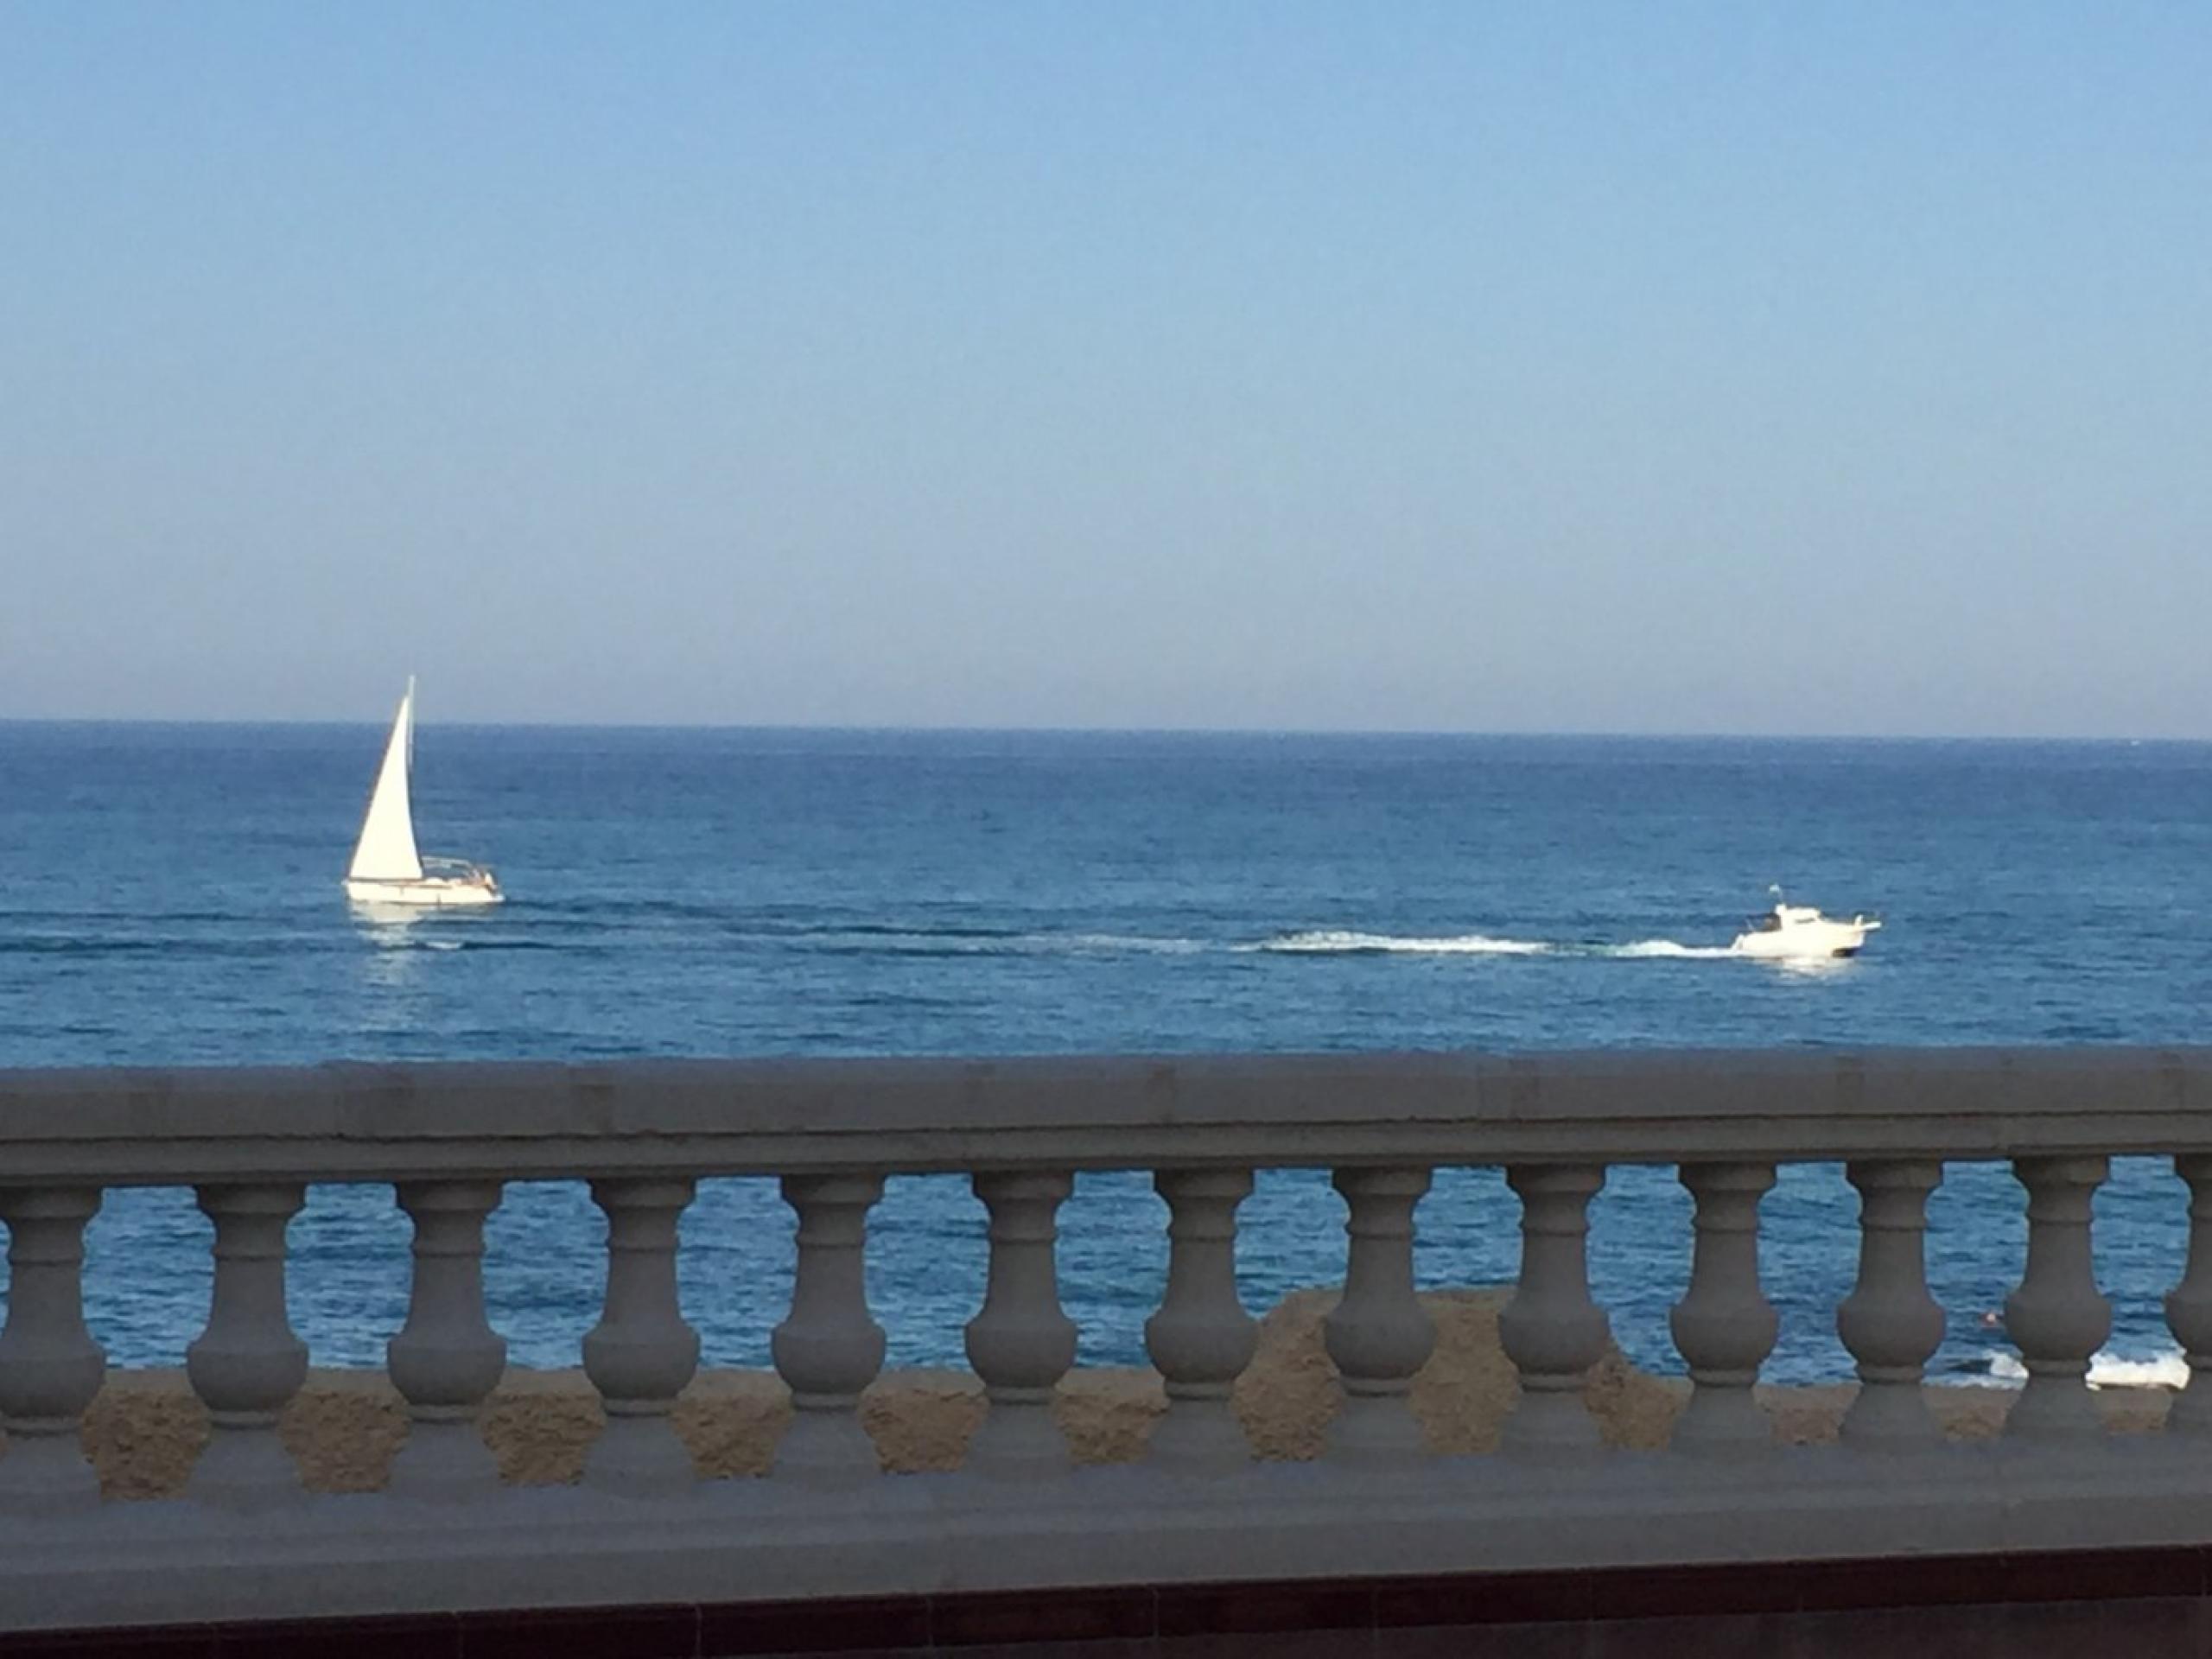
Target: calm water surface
[{"x": 168, "y": 895}]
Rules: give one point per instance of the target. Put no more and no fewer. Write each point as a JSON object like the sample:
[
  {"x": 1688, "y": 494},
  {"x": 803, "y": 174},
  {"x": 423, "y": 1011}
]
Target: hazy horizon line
[{"x": 948, "y": 729}]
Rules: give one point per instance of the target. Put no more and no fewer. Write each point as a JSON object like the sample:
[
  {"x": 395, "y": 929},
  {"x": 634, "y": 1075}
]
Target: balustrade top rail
[{"x": 352, "y": 1121}]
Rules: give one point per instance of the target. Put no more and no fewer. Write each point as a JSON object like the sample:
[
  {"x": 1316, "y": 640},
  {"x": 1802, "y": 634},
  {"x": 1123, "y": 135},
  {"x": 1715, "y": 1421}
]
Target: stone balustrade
[{"x": 247, "y": 1539}]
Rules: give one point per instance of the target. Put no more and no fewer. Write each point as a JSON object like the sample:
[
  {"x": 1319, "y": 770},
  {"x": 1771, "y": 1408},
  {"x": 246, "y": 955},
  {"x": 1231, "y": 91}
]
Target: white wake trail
[
  {"x": 1348, "y": 941},
  {"x": 1327, "y": 940}
]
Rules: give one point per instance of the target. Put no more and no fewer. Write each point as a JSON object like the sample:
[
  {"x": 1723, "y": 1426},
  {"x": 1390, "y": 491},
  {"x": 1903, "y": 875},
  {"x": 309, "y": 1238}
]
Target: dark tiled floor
[
  {"x": 432, "y": 1637},
  {"x": 193, "y": 1643},
  {"x": 2044, "y": 1606},
  {"x": 1071, "y": 1616},
  {"x": 580, "y": 1633},
  {"x": 871, "y": 1626}
]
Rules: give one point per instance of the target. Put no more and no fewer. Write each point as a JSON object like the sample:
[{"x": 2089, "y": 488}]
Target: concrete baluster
[
  {"x": 641, "y": 1354},
  {"x": 1201, "y": 1339},
  {"x": 1020, "y": 1343},
  {"x": 1890, "y": 1322},
  {"x": 1724, "y": 1326},
  {"x": 50, "y": 1367},
  {"x": 2188, "y": 1304},
  {"x": 2057, "y": 1316},
  {"x": 446, "y": 1358},
  {"x": 829, "y": 1349},
  {"x": 1551, "y": 1330},
  {"x": 247, "y": 1364},
  {"x": 1378, "y": 1333}
]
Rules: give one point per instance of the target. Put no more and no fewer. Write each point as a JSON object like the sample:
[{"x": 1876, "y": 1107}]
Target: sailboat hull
[
  {"x": 430, "y": 892},
  {"x": 388, "y": 869}
]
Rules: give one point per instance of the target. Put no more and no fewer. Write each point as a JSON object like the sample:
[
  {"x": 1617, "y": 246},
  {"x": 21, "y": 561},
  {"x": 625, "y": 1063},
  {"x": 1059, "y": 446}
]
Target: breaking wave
[{"x": 2106, "y": 1371}]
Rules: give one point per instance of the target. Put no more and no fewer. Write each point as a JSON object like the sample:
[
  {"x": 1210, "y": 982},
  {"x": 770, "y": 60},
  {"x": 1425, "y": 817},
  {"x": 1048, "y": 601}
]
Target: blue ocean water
[{"x": 169, "y": 894}]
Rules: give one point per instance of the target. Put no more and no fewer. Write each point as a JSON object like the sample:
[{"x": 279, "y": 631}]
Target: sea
[{"x": 170, "y": 896}]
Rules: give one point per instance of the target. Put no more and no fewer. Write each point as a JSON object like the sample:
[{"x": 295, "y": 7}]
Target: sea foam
[{"x": 2106, "y": 1370}]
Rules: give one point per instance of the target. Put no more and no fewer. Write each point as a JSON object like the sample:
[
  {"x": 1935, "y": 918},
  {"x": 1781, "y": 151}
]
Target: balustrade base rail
[{"x": 172, "y": 1561}]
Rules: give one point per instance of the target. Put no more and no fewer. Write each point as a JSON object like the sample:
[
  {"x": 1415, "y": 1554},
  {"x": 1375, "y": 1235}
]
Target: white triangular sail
[{"x": 386, "y": 849}]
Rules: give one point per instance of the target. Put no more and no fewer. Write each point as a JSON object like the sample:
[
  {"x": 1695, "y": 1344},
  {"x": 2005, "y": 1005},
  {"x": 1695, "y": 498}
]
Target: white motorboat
[
  {"x": 1799, "y": 932},
  {"x": 387, "y": 869}
]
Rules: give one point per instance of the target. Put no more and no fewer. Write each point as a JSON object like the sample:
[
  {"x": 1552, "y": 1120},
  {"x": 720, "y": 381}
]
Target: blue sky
[{"x": 1810, "y": 368}]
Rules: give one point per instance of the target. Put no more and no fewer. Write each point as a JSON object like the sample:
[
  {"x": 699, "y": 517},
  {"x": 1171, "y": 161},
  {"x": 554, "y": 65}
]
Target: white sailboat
[{"x": 387, "y": 869}]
